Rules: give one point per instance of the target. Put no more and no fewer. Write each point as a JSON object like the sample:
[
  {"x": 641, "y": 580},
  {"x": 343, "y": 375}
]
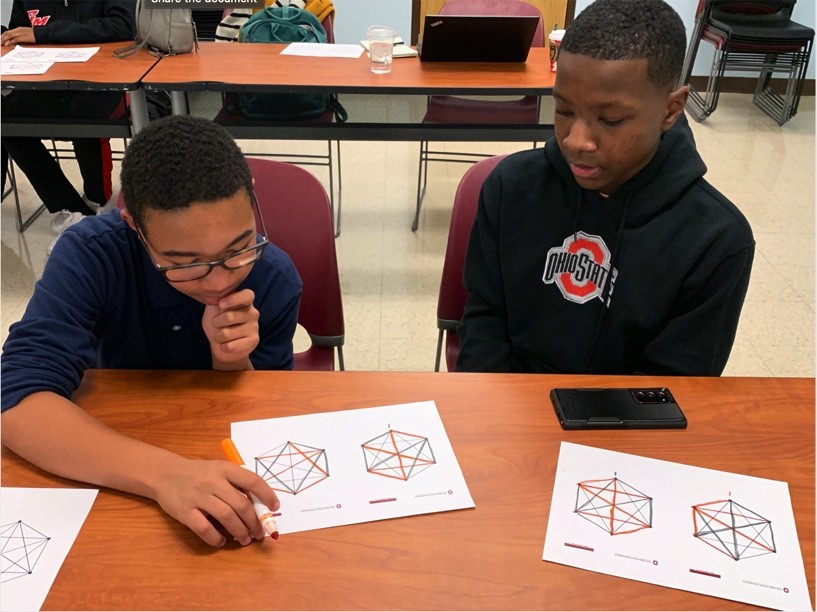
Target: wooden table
[
  {"x": 262, "y": 68},
  {"x": 102, "y": 72},
  {"x": 130, "y": 555}
]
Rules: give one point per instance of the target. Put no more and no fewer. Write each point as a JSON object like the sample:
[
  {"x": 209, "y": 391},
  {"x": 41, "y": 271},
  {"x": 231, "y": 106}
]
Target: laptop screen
[{"x": 471, "y": 38}]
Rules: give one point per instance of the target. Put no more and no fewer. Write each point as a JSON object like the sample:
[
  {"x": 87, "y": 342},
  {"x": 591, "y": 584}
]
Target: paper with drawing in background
[
  {"x": 322, "y": 50},
  {"x": 637, "y": 518},
  {"x": 49, "y": 54},
  {"x": 353, "y": 466},
  {"x": 10, "y": 68},
  {"x": 37, "y": 529}
]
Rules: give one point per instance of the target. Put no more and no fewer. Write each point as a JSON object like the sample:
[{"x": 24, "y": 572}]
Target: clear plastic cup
[{"x": 381, "y": 48}]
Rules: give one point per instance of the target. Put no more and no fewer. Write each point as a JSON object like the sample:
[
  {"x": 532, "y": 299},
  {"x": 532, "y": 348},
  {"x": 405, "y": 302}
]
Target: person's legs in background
[
  {"x": 37, "y": 163},
  {"x": 94, "y": 154}
]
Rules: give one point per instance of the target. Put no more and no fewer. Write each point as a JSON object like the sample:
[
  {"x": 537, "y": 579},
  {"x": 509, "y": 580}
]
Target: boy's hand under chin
[{"x": 231, "y": 326}]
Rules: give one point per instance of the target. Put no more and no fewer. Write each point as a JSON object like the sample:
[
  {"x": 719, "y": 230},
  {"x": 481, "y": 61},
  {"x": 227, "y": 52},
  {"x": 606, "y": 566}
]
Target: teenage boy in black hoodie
[
  {"x": 607, "y": 252},
  {"x": 55, "y": 22}
]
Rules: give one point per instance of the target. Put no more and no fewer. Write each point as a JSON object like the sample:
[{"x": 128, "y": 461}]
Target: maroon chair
[
  {"x": 331, "y": 159},
  {"x": 297, "y": 219},
  {"x": 454, "y": 110},
  {"x": 750, "y": 36},
  {"x": 451, "y": 301}
]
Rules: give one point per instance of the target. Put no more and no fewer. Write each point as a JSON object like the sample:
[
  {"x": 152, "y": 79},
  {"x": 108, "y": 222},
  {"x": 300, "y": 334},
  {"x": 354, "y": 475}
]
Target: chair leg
[
  {"x": 341, "y": 365},
  {"x": 440, "y": 334},
  {"x": 340, "y": 186},
  {"x": 701, "y": 106},
  {"x": 331, "y": 184},
  {"x": 22, "y": 225},
  {"x": 422, "y": 177}
]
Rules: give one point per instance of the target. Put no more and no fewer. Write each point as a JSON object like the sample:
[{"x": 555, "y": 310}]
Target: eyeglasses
[{"x": 194, "y": 271}]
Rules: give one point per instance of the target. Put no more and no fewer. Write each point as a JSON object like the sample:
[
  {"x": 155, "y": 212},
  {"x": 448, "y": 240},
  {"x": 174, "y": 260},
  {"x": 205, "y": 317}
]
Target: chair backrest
[
  {"x": 328, "y": 26},
  {"x": 750, "y": 11},
  {"x": 296, "y": 213},
  {"x": 497, "y": 7},
  {"x": 451, "y": 300}
]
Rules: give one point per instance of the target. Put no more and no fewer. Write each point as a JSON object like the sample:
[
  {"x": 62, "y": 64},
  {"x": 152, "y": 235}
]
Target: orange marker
[{"x": 261, "y": 509}]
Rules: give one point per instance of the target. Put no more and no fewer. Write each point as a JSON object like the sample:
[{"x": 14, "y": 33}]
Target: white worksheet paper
[
  {"x": 700, "y": 530},
  {"x": 322, "y": 50},
  {"x": 9, "y": 68},
  {"x": 50, "y": 54},
  {"x": 353, "y": 466},
  {"x": 37, "y": 529}
]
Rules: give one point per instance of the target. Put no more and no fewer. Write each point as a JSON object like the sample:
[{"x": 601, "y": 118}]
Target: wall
[
  {"x": 5, "y": 11},
  {"x": 804, "y": 12},
  {"x": 352, "y": 17}
]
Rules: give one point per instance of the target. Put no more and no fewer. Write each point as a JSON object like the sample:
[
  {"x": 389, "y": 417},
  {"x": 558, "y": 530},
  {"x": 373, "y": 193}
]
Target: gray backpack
[{"x": 162, "y": 31}]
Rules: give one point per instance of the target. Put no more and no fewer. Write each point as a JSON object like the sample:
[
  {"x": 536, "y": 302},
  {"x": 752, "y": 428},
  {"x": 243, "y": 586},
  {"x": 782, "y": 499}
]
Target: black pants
[{"x": 43, "y": 171}]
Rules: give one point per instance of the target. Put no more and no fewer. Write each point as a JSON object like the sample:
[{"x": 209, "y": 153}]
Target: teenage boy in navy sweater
[
  {"x": 179, "y": 280},
  {"x": 607, "y": 252}
]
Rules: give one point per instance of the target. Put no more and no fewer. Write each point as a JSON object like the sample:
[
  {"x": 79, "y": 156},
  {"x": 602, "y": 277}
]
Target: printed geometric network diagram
[
  {"x": 613, "y": 506},
  {"x": 397, "y": 454},
  {"x": 293, "y": 467},
  {"x": 732, "y": 529},
  {"x": 21, "y": 546}
]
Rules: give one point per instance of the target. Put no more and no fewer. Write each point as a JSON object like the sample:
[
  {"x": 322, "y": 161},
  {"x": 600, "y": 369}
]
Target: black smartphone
[{"x": 641, "y": 408}]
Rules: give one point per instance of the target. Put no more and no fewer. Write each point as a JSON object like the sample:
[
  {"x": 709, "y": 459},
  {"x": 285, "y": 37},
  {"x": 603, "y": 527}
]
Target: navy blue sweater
[{"x": 101, "y": 303}]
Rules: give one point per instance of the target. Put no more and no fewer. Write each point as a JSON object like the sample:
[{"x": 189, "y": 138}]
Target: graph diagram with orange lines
[
  {"x": 732, "y": 529},
  {"x": 614, "y": 506},
  {"x": 293, "y": 467},
  {"x": 20, "y": 548},
  {"x": 397, "y": 454}
]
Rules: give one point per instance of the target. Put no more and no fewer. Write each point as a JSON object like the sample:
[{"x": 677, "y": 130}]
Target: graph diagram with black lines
[
  {"x": 397, "y": 454},
  {"x": 21, "y": 546},
  {"x": 293, "y": 467},
  {"x": 732, "y": 529},
  {"x": 613, "y": 506}
]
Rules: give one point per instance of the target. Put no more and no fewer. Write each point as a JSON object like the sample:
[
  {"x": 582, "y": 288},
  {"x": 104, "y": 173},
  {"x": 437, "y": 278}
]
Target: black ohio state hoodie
[
  {"x": 76, "y": 21},
  {"x": 650, "y": 280}
]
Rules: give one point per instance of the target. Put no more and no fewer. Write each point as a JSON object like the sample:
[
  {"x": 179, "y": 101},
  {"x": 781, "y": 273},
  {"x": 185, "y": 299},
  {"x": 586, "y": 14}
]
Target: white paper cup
[
  {"x": 381, "y": 48},
  {"x": 555, "y": 39}
]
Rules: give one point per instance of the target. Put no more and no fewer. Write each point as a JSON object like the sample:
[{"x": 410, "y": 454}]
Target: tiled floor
[{"x": 390, "y": 276}]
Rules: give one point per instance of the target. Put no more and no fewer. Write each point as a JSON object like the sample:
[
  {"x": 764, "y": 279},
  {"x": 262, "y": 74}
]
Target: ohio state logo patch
[{"x": 579, "y": 268}]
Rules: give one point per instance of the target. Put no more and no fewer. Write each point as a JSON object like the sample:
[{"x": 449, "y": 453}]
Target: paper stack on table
[{"x": 37, "y": 60}]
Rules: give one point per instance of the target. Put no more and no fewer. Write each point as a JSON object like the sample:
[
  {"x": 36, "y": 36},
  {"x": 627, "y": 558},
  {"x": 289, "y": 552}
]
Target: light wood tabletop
[
  {"x": 130, "y": 555},
  {"x": 220, "y": 66}
]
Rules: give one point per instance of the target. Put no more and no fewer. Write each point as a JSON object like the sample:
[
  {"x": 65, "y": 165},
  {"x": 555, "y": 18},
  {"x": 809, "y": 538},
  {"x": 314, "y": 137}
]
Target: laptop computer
[{"x": 472, "y": 38}]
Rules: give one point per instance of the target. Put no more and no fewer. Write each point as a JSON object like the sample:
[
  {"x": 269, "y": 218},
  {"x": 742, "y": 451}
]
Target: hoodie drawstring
[{"x": 607, "y": 286}]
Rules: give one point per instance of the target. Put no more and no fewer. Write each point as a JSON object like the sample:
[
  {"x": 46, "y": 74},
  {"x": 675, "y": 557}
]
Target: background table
[
  {"x": 102, "y": 72},
  {"x": 130, "y": 555},
  {"x": 262, "y": 68}
]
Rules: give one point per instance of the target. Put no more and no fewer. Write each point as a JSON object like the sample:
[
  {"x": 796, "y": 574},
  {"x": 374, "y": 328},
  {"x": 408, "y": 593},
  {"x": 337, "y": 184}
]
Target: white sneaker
[
  {"x": 50, "y": 246},
  {"x": 63, "y": 220}
]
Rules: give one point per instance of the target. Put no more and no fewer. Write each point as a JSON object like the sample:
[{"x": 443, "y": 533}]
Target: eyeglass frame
[{"x": 258, "y": 246}]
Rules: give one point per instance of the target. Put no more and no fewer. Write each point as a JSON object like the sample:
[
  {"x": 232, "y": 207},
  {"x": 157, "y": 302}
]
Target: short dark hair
[
  {"x": 631, "y": 29},
  {"x": 179, "y": 160}
]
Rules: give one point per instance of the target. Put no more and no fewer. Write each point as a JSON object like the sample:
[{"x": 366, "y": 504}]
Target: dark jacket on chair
[{"x": 650, "y": 280}]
